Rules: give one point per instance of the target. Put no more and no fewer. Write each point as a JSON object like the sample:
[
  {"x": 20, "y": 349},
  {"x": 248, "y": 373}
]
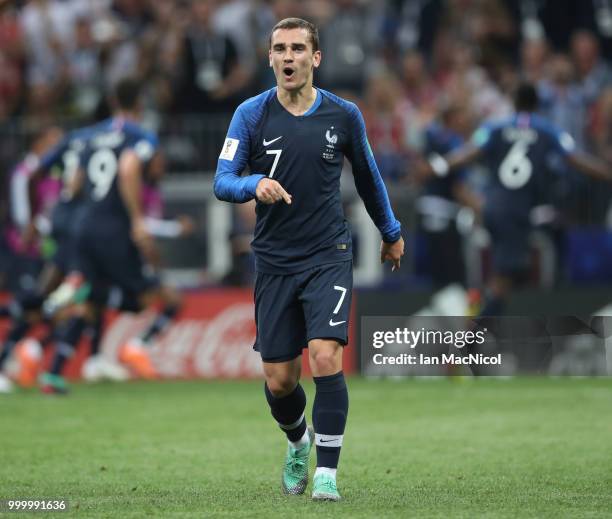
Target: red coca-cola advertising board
[{"x": 211, "y": 338}]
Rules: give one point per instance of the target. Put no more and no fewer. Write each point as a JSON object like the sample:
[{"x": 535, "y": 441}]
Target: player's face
[{"x": 292, "y": 58}]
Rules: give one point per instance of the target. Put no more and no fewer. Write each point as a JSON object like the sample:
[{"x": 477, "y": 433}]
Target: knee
[
  {"x": 325, "y": 360},
  {"x": 280, "y": 385}
]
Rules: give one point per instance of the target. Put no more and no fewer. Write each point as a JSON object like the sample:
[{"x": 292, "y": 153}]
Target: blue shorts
[
  {"x": 64, "y": 220},
  {"x": 113, "y": 261},
  {"x": 292, "y": 309},
  {"x": 509, "y": 244}
]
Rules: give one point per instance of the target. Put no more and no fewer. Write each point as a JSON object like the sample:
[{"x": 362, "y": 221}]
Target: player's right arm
[{"x": 229, "y": 185}]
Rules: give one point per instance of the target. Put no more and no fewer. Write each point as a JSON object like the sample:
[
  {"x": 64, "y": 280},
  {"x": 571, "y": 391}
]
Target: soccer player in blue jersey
[
  {"x": 293, "y": 139},
  {"x": 112, "y": 235},
  {"x": 517, "y": 152}
]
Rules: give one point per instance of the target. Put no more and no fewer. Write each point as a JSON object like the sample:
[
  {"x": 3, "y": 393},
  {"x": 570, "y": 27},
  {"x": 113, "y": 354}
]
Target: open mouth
[{"x": 288, "y": 72}]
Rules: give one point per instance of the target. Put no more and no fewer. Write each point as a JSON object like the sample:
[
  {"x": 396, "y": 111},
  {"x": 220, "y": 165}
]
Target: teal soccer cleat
[
  {"x": 324, "y": 488},
  {"x": 295, "y": 471}
]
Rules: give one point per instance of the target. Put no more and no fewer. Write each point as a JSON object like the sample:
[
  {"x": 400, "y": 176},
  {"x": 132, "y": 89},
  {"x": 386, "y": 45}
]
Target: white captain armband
[
  {"x": 163, "y": 228},
  {"x": 438, "y": 164}
]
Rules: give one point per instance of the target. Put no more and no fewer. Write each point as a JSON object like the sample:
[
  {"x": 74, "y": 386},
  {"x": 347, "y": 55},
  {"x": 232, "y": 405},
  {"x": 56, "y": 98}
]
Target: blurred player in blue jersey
[
  {"x": 517, "y": 152},
  {"x": 112, "y": 235},
  {"x": 441, "y": 199},
  {"x": 294, "y": 139}
]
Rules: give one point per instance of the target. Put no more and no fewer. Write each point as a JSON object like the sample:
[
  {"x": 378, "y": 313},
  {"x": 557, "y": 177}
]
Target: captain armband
[{"x": 438, "y": 165}]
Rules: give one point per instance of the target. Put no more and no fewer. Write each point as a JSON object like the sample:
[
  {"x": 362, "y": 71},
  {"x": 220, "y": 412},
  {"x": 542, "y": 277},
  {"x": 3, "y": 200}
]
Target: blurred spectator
[
  {"x": 347, "y": 34},
  {"x": 387, "y": 117},
  {"x": 233, "y": 18},
  {"x": 465, "y": 81},
  {"x": 562, "y": 101},
  {"x": 417, "y": 86},
  {"x": 12, "y": 61},
  {"x": 602, "y": 125},
  {"x": 48, "y": 27},
  {"x": 84, "y": 69},
  {"x": 161, "y": 48},
  {"x": 213, "y": 75},
  {"x": 534, "y": 55},
  {"x": 593, "y": 73},
  {"x": 127, "y": 23},
  {"x": 409, "y": 25}
]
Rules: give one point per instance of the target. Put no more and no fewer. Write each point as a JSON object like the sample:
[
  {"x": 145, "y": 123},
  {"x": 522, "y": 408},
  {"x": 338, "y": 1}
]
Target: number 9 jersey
[{"x": 100, "y": 163}]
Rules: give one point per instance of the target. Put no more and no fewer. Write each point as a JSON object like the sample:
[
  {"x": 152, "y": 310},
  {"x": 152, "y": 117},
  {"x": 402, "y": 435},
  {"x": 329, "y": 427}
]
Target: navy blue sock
[
  {"x": 493, "y": 306},
  {"x": 329, "y": 414},
  {"x": 288, "y": 411},
  {"x": 16, "y": 333},
  {"x": 95, "y": 335},
  {"x": 67, "y": 338},
  {"x": 159, "y": 323}
]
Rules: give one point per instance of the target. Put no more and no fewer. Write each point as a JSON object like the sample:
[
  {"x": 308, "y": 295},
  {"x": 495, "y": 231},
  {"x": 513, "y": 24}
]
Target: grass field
[{"x": 490, "y": 448}]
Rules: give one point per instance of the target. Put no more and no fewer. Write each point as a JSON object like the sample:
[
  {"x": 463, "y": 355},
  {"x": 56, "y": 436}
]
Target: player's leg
[
  {"x": 329, "y": 413},
  {"x": 287, "y": 401},
  {"x": 496, "y": 292},
  {"x": 511, "y": 257},
  {"x": 280, "y": 340},
  {"x": 326, "y": 299},
  {"x": 67, "y": 335},
  {"x": 70, "y": 326},
  {"x": 25, "y": 312},
  {"x": 171, "y": 302}
]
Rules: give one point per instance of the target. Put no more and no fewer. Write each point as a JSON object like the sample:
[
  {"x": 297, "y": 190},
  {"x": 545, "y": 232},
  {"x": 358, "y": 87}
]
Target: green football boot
[
  {"x": 324, "y": 488},
  {"x": 295, "y": 471},
  {"x": 51, "y": 384}
]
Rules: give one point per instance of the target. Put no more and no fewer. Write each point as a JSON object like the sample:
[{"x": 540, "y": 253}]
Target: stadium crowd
[
  {"x": 406, "y": 63},
  {"x": 399, "y": 59}
]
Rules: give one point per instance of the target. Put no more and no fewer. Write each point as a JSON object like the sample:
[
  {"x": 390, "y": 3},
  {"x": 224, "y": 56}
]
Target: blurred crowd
[
  {"x": 405, "y": 62},
  {"x": 400, "y": 59}
]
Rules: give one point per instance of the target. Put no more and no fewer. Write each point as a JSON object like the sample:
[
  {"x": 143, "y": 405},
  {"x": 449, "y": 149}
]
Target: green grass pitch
[{"x": 484, "y": 448}]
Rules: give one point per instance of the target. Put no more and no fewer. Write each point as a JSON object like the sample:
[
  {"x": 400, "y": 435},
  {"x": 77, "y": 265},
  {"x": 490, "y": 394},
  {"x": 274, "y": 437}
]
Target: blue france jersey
[
  {"x": 65, "y": 156},
  {"x": 305, "y": 155},
  {"x": 518, "y": 153},
  {"x": 99, "y": 159}
]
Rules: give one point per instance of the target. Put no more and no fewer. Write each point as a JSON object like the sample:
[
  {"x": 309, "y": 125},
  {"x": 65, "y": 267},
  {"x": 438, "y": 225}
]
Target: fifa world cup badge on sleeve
[{"x": 229, "y": 149}]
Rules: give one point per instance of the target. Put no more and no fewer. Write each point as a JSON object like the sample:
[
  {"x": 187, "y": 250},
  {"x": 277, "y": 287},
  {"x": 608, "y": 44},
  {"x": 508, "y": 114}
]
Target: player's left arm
[
  {"x": 579, "y": 160},
  {"x": 590, "y": 165},
  {"x": 130, "y": 188},
  {"x": 372, "y": 190}
]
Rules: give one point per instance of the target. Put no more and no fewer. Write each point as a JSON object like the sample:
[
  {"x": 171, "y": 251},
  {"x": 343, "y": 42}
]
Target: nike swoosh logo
[
  {"x": 328, "y": 441},
  {"x": 333, "y": 323},
  {"x": 267, "y": 143}
]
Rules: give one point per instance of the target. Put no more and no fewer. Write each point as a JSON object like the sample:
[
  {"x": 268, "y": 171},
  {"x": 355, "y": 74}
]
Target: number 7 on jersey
[{"x": 277, "y": 154}]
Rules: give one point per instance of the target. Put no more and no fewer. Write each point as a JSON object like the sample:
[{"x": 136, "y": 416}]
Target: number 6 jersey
[{"x": 519, "y": 154}]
